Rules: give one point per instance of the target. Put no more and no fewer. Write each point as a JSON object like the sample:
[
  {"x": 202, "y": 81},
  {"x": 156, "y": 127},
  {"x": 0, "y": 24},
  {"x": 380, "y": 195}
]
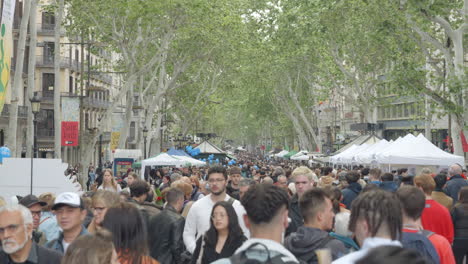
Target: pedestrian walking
[
  {"x": 129, "y": 234},
  {"x": 102, "y": 200},
  {"x": 92, "y": 249},
  {"x": 460, "y": 222},
  {"x": 198, "y": 221},
  {"x": 165, "y": 230},
  {"x": 16, "y": 227},
  {"x": 108, "y": 182},
  {"x": 222, "y": 239},
  {"x": 71, "y": 213}
]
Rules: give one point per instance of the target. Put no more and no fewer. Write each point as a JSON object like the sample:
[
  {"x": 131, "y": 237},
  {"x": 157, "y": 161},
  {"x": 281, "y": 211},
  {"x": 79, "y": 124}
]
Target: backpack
[
  {"x": 421, "y": 243},
  {"x": 242, "y": 258}
]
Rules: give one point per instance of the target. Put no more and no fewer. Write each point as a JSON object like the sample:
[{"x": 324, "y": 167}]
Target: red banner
[
  {"x": 464, "y": 143},
  {"x": 70, "y": 133}
]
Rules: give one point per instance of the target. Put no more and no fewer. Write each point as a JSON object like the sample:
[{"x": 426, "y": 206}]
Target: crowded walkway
[{"x": 256, "y": 211}]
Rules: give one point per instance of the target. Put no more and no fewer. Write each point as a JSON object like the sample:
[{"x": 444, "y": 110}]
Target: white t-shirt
[
  {"x": 65, "y": 246},
  {"x": 101, "y": 187},
  {"x": 198, "y": 220}
]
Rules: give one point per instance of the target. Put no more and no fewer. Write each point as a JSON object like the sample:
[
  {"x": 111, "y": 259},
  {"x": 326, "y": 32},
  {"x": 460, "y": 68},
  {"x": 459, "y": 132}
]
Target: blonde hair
[
  {"x": 113, "y": 182},
  {"x": 48, "y": 198},
  {"x": 2, "y": 201},
  {"x": 304, "y": 171},
  {"x": 108, "y": 198},
  {"x": 91, "y": 249},
  {"x": 184, "y": 187}
]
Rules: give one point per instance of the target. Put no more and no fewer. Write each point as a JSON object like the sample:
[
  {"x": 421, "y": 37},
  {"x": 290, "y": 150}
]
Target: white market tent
[
  {"x": 281, "y": 154},
  {"x": 301, "y": 157},
  {"x": 348, "y": 157},
  {"x": 191, "y": 161},
  {"x": 367, "y": 156},
  {"x": 162, "y": 159},
  {"x": 409, "y": 150},
  {"x": 417, "y": 151},
  {"x": 299, "y": 154},
  {"x": 337, "y": 158}
]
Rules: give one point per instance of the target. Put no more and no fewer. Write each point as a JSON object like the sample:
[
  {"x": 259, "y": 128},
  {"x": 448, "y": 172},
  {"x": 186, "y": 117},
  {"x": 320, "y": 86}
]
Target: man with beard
[
  {"x": 233, "y": 185},
  {"x": 16, "y": 227},
  {"x": 198, "y": 218}
]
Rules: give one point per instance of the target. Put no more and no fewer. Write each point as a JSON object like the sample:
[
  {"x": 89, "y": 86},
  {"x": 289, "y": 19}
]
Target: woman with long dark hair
[
  {"x": 128, "y": 234},
  {"x": 222, "y": 239},
  {"x": 460, "y": 223}
]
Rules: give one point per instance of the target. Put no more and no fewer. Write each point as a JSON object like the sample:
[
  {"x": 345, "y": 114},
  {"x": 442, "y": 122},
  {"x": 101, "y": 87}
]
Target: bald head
[{"x": 455, "y": 169}]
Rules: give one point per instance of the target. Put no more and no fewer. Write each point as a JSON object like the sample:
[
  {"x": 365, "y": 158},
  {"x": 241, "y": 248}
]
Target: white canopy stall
[
  {"x": 162, "y": 159},
  {"x": 281, "y": 154},
  {"x": 417, "y": 151}
]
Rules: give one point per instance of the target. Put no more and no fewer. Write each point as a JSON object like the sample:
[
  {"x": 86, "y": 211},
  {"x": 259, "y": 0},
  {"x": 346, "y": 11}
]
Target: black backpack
[{"x": 241, "y": 257}]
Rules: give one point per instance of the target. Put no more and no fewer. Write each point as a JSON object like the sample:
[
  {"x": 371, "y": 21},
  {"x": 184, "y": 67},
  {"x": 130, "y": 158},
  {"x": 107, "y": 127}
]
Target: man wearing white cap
[{"x": 70, "y": 213}]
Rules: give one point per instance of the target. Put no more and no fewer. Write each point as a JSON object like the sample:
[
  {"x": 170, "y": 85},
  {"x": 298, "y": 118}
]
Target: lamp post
[
  {"x": 145, "y": 134},
  {"x": 35, "y": 108},
  {"x": 100, "y": 146}
]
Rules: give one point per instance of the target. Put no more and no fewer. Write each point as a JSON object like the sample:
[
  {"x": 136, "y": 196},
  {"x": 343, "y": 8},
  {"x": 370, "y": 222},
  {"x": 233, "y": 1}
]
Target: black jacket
[
  {"x": 209, "y": 252},
  {"x": 295, "y": 216},
  {"x": 165, "y": 236},
  {"x": 460, "y": 220},
  {"x": 38, "y": 254},
  {"x": 306, "y": 240},
  {"x": 234, "y": 193}
]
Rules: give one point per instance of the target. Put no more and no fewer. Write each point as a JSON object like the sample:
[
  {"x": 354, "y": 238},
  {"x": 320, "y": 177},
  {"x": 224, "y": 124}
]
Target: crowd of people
[{"x": 257, "y": 211}]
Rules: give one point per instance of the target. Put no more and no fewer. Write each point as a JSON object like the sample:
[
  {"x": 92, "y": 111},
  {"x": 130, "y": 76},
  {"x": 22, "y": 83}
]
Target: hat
[
  {"x": 30, "y": 200},
  {"x": 68, "y": 198}
]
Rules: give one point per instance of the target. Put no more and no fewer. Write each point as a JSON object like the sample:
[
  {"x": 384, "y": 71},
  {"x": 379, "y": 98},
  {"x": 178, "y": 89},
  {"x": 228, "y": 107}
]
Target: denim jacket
[{"x": 57, "y": 244}]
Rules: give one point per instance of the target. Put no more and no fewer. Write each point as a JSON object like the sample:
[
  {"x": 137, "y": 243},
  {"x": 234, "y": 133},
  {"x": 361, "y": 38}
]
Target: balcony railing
[
  {"x": 90, "y": 102},
  {"x": 49, "y": 61},
  {"x": 45, "y": 133},
  {"x": 48, "y": 29}
]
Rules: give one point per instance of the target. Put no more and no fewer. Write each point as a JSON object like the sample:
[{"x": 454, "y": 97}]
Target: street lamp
[
  {"x": 145, "y": 134},
  {"x": 35, "y": 108},
  {"x": 100, "y": 146}
]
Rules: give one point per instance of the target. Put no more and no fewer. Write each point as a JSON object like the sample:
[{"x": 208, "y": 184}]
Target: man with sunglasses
[
  {"x": 198, "y": 218},
  {"x": 16, "y": 227}
]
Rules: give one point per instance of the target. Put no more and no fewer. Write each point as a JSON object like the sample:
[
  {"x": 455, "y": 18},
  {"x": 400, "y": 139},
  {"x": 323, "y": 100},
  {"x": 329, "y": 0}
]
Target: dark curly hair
[
  {"x": 263, "y": 201},
  {"x": 379, "y": 208},
  {"x": 235, "y": 231},
  {"x": 217, "y": 169}
]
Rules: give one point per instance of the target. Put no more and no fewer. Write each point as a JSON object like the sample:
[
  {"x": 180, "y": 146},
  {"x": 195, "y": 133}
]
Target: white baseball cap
[{"x": 68, "y": 198}]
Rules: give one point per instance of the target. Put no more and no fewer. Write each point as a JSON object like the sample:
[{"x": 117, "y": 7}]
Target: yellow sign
[
  {"x": 115, "y": 136},
  {"x": 6, "y": 47}
]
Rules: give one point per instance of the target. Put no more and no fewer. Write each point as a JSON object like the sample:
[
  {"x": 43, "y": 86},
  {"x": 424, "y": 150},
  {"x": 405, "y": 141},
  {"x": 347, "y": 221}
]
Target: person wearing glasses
[
  {"x": 222, "y": 239},
  {"x": 101, "y": 202},
  {"x": 16, "y": 227},
  {"x": 198, "y": 221},
  {"x": 35, "y": 207}
]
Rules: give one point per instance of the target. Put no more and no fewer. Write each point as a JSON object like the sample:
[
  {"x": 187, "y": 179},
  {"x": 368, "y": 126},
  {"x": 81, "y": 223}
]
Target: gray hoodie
[{"x": 306, "y": 240}]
